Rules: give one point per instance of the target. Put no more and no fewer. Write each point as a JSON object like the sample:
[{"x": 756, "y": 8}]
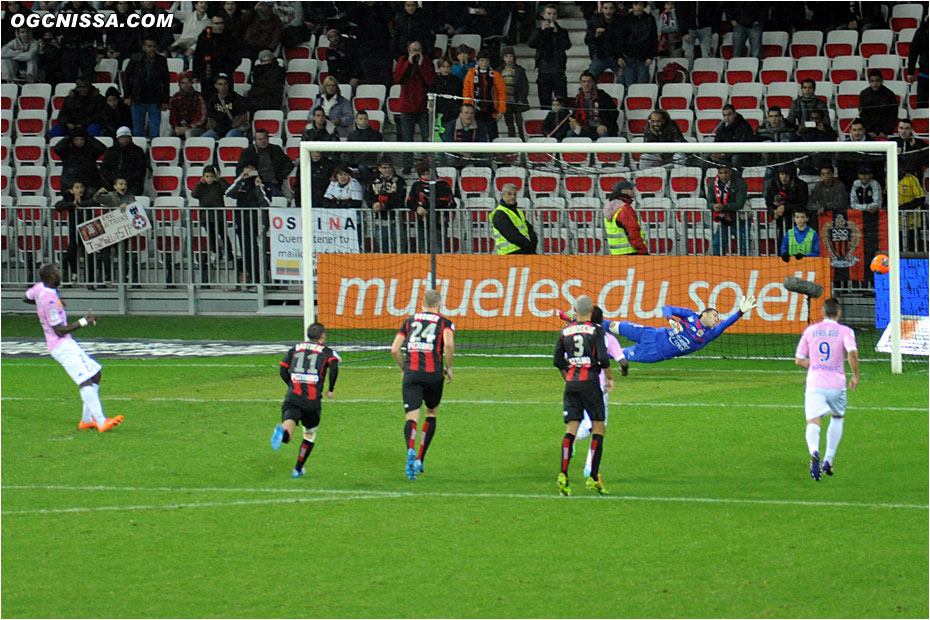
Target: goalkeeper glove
[
  {"x": 746, "y": 304},
  {"x": 785, "y": 257},
  {"x": 799, "y": 256},
  {"x": 675, "y": 326}
]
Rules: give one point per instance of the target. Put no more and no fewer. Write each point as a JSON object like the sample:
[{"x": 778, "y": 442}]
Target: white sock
[
  {"x": 834, "y": 434},
  {"x": 85, "y": 414},
  {"x": 92, "y": 404},
  {"x": 813, "y": 438}
]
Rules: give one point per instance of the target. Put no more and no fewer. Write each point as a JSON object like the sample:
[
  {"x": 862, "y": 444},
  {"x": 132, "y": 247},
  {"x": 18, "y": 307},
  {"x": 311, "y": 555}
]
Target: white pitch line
[
  {"x": 376, "y": 494},
  {"x": 452, "y": 401},
  {"x": 286, "y": 500}
]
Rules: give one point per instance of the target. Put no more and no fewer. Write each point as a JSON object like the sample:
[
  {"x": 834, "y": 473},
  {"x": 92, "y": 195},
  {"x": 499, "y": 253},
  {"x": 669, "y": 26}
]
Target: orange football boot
[
  {"x": 84, "y": 426},
  {"x": 110, "y": 423}
]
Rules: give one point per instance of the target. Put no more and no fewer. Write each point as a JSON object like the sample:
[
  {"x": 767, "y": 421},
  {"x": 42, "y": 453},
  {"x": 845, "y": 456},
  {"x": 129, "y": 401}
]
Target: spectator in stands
[
  {"x": 363, "y": 132},
  {"x": 446, "y": 84},
  {"x": 20, "y": 57},
  {"x": 344, "y": 190},
  {"x": 863, "y": 16},
  {"x": 698, "y": 22},
  {"x": 342, "y": 60},
  {"x": 414, "y": 72},
  {"x": 270, "y": 160},
  {"x": 146, "y": 86},
  {"x": 252, "y": 201},
  {"x": 50, "y": 64},
  {"x": 734, "y": 128},
  {"x": 801, "y": 240},
  {"x": 114, "y": 113},
  {"x": 661, "y": 128},
  {"x": 120, "y": 197},
  {"x": 385, "y": 195},
  {"x": 193, "y": 24},
  {"x": 917, "y": 68},
  {"x": 746, "y": 19},
  {"x": 227, "y": 111},
  {"x": 465, "y": 128},
  {"x": 235, "y": 16},
  {"x": 775, "y": 129},
  {"x": 878, "y": 107},
  {"x": 321, "y": 173},
  {"x": 7, "y": 29},
  {"x": 827, "y": 194},
  {"x": 262, "y": 31},
  {"x": 550, "y": 41},
  {"x": 603, "y": 40},
  {"x": 187, "y": 109},
  {"x": 485, "y": 89},
  {"x": 210, "y": 193},
  {"x": 162, "y": 36},
  {"x": 621, "y": 224},
  {"x": 487, "y": 20},
  {"x": 413, "y": 25},
  {"x": 79, "y": 153},
  {"x": 218, "y": 51},
  {"x": 670, "y": 34},
  {"x": 419, "y": 202},
  {"x": 819, "y": 131},
  {"x": 848, "y": 164},
  {"x": 912, "y": 151},
  {"x": 267, "y": 78},
  {"x": 79, "y": 45},
  {"x": 122, "y": 43},
  {"x": 866, "y": 196},
  {"x": 338, "y": 109},
  {"x": 556, "y": 123},
  {"x": 726, "y": 197},
  {"x": 513, "y": 233},
  {"x": 594, "y": 109},
  {"x": 80, "y": 110},
  {"x": 318, "y": 128},
  {"x": 294, "y": 32},
  {"x": 125, "y": 160},
  {"x": 804, "y": 104},
  {"x": 518, "y": 91},
  {"x": 787, "y": 17},
  {"x": 463, "y": 62},
  {"x": 450, "y": 17},
  {"x": 785, "y": 196},
  {"x": 374, "y": 46},
  {"x": 72, "y": 205},
  {"x": 640, "y": 47}
]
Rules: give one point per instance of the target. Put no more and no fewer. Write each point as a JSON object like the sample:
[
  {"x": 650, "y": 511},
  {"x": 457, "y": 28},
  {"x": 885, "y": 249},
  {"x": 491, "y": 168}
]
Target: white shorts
[
  {"x": 821, "y": 402},
  {"x": 76, "y": 362}
]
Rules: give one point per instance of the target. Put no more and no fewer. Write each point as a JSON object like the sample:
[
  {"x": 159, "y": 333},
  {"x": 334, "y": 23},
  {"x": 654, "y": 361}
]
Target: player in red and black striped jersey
[
  {"x": 429, "y": 339},
  {"x": 580, "y": 354},
  {"x": 304, "y": 369}
]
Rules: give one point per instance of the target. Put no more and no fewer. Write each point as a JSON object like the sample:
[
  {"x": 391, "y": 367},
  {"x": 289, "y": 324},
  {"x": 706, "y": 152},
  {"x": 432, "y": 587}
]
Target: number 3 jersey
[
  {"x": 304, "y": 370},
  {"x": 582, "y": 353},
  {"x": 423, "y": 339},
  {"x": 825, "y": 344}
]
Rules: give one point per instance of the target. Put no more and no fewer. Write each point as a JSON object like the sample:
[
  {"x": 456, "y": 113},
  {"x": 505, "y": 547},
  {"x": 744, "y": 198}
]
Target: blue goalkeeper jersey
[{"x": 656, "y": 344}]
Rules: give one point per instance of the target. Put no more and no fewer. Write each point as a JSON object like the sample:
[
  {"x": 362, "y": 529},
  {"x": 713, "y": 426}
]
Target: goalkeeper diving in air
[{"x": 692, "y": 333}]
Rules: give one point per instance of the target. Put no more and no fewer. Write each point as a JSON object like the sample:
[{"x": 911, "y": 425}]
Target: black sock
[
  {"x": 306, "y": 447},
  {"x": 567, "y": 442},
  {"x": 410, "y": 434},
  {"x": 287, "y": 436},
  {"x": 429, "y": 429},
  {"x": 597, "y": 445}
]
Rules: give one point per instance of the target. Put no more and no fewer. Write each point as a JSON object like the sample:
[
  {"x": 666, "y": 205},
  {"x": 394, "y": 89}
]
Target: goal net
[{"x": 382, "y": 235}]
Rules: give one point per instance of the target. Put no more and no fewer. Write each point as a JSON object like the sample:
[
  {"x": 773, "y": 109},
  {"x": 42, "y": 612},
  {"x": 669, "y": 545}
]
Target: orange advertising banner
[{"x": 489, "y": 292}]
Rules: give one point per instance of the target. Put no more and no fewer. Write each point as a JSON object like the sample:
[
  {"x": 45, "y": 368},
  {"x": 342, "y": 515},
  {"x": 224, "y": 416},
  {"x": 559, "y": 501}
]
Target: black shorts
[
  {"x": 422, "y": 388},
  {"x": 578, "y": 399},
  {"x": 307, "y": 414}
]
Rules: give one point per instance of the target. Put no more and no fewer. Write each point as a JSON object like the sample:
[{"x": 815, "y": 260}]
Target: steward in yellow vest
[
  {"x": 624, "y": 234},
  {"x": 512, "y": 233}
]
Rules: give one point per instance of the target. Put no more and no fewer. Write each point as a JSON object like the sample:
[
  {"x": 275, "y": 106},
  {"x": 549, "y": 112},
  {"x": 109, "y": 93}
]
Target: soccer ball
[{"x": 880, "y": 263}]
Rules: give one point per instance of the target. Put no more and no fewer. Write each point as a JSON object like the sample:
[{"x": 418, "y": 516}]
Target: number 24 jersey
[{"x": 423, "y": 338}]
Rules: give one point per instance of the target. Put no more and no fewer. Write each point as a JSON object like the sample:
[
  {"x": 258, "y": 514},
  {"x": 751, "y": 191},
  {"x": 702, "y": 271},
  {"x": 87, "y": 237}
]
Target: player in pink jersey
[
  {"x": 82, "y": 368},
  {"x": 823, "y": 350}
]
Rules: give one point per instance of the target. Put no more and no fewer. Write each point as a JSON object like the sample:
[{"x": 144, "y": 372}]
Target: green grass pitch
[{"x": 185, "y": 511}]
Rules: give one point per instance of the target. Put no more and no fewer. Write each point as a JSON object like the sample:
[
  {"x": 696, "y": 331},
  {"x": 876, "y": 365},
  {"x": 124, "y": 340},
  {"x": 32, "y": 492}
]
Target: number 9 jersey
[{"x": 423, "y": 338}]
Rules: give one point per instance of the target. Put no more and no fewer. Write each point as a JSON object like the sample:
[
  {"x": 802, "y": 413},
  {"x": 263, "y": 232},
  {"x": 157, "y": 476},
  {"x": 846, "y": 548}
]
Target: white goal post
[{"x": 888, "y": 148}]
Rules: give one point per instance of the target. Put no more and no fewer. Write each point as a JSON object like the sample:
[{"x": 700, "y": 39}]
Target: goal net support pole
[{"x": 887, "y": 148}]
